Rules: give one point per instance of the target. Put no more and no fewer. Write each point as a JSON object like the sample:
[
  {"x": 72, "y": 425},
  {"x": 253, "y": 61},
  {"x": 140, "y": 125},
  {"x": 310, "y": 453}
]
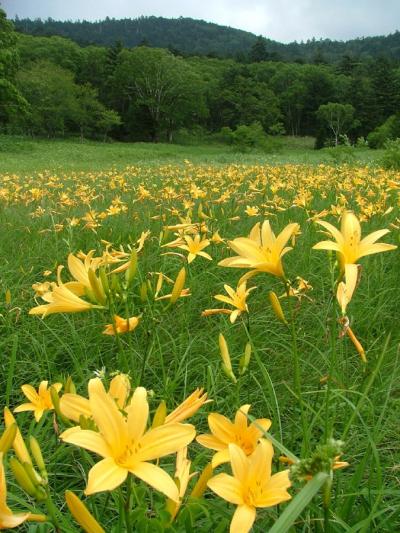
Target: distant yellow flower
[
  {"x": 8, "y": 520},
  {"x": 195, "y": 247},
  {"x": 41, "y": 288},
  {"x": 40, "y": 401},
  {"x": 121, "y": 325},
  {"x": 252, "y": 211},
  {"x": 261, "y": 251},
  {"x": 124, "y": 443},
  {"x": 225, "y": 432},
  {"x": 236, "y": 299},
  {"x": 251, "y": 485},
  {"x": 348, "y": 243},
  {"x": 216, "y": 238}
]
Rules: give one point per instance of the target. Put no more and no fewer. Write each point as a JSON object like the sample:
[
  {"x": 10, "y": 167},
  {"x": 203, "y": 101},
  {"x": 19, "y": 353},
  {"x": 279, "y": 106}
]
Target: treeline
[
  {"x": 197, "y": 37},
  {"x": 51, "y": 86}
]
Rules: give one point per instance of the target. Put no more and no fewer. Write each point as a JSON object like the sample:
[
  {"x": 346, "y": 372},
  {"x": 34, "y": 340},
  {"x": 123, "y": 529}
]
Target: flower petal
[
  {"x": 157, "y": 478},
  {"x": 108, "y": 418},
  {"x": 138, "y": 414},
  {"x": 227, "y": 487},
  {"x": 209, "y": 441},
  {"x": 88, "y": 439},
  {"x": 164, "y": 440},
  {"x": 243, "y": 519},
  {"x": 105, "y": 475},
  {"x": 74, "y": 406},
  {"x": 221, "y": 457},
  {"x": 239, "y": 462},
  {"x": 221, "y": 427},
  {"x": 274, "y": 491}
]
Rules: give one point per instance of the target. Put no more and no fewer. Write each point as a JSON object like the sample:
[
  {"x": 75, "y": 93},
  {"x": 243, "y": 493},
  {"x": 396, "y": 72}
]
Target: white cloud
[{"x": 282, "y": 20}]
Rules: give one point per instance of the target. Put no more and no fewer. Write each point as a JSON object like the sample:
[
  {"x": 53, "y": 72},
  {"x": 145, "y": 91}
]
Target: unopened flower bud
[
  {"x": 201, "y": 485},
  {"x": 226, "y": 359},
  {"x": 8, "y": 437},
  {"x": 131, "y": 272},
  {"x": 178, "y": 285},
  {"x": 38, "y": 457},
  {"x": 276, "y": 306},
  {"x": 81, "y": 514},
  {"x": 22, "y": 478},
  {"x": 245, "y": 360}
]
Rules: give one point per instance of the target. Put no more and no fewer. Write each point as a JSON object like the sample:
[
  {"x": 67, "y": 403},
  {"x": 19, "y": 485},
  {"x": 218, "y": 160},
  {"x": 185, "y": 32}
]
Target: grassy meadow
[{"x": 322, "y": 364}]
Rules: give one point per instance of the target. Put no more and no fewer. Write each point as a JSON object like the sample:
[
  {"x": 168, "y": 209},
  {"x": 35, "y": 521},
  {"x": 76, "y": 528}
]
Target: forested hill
[{"x": 197, "y": 37}]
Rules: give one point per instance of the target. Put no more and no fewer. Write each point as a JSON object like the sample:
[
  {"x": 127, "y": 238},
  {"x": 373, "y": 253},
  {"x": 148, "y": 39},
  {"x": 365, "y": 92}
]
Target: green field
[
  {"x": 307, "y": 376},
  {"x": 24, "y": 155}
]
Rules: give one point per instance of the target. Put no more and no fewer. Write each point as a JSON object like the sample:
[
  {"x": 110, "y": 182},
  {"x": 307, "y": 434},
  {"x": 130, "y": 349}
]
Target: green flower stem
[{"x": 297, "y": 371}]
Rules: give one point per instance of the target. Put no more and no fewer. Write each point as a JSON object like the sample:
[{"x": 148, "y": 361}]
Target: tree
[
  {"x": 242, "y": 99},
  {"x": 158, "y": 92},
  {"x": 50, "y": 92},
  {"x": 11, "y": 101},
  {"x": 57, "y": 105},
  {"x": 339, "y": 118},
  {"x": 258, "y": 51}
]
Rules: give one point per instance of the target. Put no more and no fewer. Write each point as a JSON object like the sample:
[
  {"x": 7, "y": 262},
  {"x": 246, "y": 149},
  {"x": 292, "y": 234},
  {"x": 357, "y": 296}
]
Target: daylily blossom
[
  {"x": 225, "y": 432},
  {"x": 40, "y": 401},
  {"x": 121, "y": 325},
  {"x": 251, "y": 485},
  {"x": 195, "y": 247},
  {"x": 348, "y": 243},
  {"x": 261, "y": 251},
  {"x": 61, "y": 300},
  {"x": 236, "y": 299},
  {"x": 124, "y": 443}
]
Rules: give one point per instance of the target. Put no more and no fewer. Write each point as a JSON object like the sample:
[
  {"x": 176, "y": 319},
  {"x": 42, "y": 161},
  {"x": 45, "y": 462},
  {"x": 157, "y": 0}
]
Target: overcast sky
[{"x": 281, "y": 20}]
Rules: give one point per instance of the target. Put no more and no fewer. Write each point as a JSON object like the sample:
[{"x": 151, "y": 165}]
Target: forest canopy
[{"x": 53, "y": 86}]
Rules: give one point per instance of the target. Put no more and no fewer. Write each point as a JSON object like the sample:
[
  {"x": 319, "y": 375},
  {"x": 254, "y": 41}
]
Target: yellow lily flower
[
  {"x": 125, "y": 445},
  {"x": 224, "y": 432},
  {"x": 236, "y": 299},
  {"x": 40, "y": 401},
  {"x": 73, "y": 406},
  {"x": 348, "y": 243},
  {"x": 122, "y": 325},
  {"x": 261, "y": 250},
  {"x": 251, "y": 485},
  {"x": 195, "y": 247},
  {"x": 8, "y": 520},
  {"x": 61, "y": 300}
]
